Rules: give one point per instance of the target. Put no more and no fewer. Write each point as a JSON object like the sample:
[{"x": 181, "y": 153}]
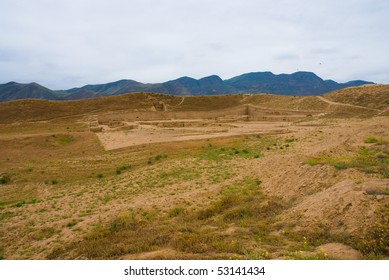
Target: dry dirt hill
[
  {"x": 364, "y": 100},
  {"x": 150, "y": 176}
]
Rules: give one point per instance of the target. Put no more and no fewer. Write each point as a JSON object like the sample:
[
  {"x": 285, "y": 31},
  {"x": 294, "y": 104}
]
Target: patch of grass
[
  {"x": 175, "y": 212},
  {"x": 149, "y": 215},
  {"x": 374, "y": 244},
  {"x": 302, "y": 255},
  {"x": 126, "y": 234},
  {"x": 54, "y": 182},
  {"x": 6, "y": 215},
  {"x": 215, "y": 154},
  {"x": 71, "y": 224},
  {"x": 5, "y": 178},
  {"x": 291, "y": 140},
  {"x": 20, "y": 204},
  {"x": 206, "y": 241},
  {"x": 367, "y": 159},
  {"x": 105, "y": 199},
  {"x": 217, "y": 175},
  {"x": 160, "y": 156},
  {"x": 239, "y": 148},
  {"x": 257, "y": 254},
  {"x": 44, "y": 233},
  {"x": 32, "y": 201},
  {"x": 100, "y": 175},
  {"x": 189, "y": 230},
  {"x": 55, "y": 253},
  {"x": 374, "y": 140},
  {"x": 341, "y": 165},
  {"x": 302, "y": 242},
  {"x": 318, "y": 160},
  {"x": 63, "y": 139},
  {"x": 122, "y": 168},
  {"x": 182, "y": 173}
]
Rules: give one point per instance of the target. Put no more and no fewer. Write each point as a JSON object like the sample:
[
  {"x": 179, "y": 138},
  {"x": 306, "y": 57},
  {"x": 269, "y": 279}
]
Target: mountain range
[{"x": 299, "y": 83}]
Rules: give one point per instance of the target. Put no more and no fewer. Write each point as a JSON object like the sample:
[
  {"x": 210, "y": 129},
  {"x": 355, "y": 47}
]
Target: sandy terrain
[{"x": 146, "y": 134}]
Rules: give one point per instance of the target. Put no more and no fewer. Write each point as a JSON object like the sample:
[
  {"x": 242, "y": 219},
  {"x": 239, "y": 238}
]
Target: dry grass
[
  {"x": 375, "y": 97},
  {"x": 63, "y": 196},
  {"x": 371, "y": 96},
  {"x": 205, "y": 231},
  {"x": 35, "y": 110}
]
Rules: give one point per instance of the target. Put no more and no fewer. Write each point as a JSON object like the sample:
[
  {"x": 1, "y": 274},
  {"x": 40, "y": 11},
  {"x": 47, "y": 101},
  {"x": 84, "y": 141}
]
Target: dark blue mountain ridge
[
  {"x": 13, "y": 90},
  {"x": 298, "y": 83}
]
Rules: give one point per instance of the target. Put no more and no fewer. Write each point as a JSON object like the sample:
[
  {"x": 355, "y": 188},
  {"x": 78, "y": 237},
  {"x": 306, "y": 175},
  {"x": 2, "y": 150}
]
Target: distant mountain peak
[
  {"x": 298, "y": 83},
  {"x": 213, "y": 78}
]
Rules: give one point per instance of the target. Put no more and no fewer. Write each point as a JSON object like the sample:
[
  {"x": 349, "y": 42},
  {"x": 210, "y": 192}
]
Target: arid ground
[{"x": 151, "y": 176}]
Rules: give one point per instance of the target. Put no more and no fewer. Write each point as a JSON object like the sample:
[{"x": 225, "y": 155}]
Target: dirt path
[
  {"x": 345, "y": 104},
  {"x": 246, "y": 97},
  {"x": 182, "y": 101},
  {"x": 383, "y": 111}
]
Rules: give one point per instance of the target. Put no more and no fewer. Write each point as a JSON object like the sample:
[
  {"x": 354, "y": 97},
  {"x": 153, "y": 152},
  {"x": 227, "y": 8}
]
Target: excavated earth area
[{"x": 133, "y": 134}]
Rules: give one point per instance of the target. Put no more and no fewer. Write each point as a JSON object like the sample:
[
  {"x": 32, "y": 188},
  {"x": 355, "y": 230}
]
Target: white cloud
[{"x": 63, "y": 44}]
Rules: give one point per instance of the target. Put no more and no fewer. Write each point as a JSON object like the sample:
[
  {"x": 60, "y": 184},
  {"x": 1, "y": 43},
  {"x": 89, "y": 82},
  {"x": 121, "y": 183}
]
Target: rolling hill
[{"x": 365, "y": 101}]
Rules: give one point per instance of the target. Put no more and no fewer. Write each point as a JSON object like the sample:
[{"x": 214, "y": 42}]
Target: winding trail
[
  {"x": 182, "y": 101},
  {"x": 383, "y": 111},
  {"x": 345, "y": 104}
]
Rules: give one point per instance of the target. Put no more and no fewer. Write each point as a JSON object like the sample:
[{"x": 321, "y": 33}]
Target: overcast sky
[{"x": 69, "y": 43}]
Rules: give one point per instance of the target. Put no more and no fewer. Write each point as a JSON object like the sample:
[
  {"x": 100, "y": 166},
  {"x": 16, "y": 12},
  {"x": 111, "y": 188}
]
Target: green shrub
[
  {"x": 175, "y": 212},
  {"x": 20, "y": 203},
  {"x": 5, "y": 179},
  {"x": 373, "y": 140},
  {"x": 71, "y": 224},
  {"x": 32, "y": 201},
  {"x": 290, "y": 140},
  {"x": 64, "y": 139},
  {"x": 120, "y": 169},
  {"x": 340, "y": 165}
]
